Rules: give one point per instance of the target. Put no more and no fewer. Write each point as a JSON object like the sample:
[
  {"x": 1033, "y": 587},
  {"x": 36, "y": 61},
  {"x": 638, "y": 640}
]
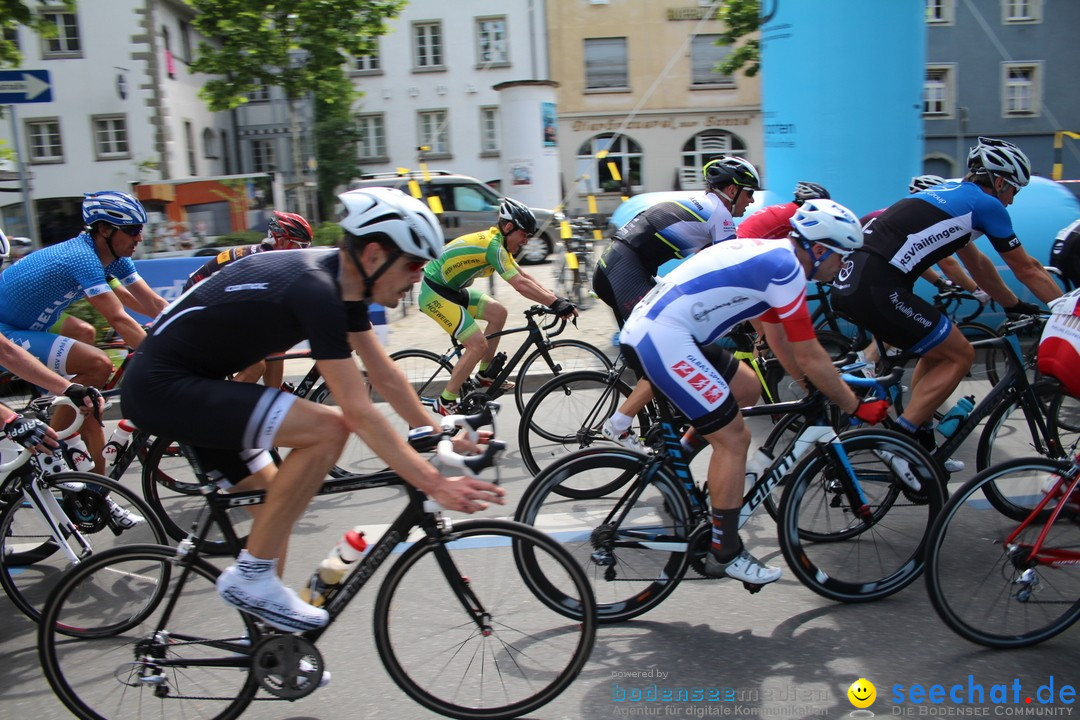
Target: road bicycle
[
  {"x": 855, "y": 512},
  {"x": 1005, "y": 581},
  {"x": 574, "y": 267},
  {"x": 141, "y": 631},
  {"x": 53, "y": 517},
  {"x": 537, "y": 358}
]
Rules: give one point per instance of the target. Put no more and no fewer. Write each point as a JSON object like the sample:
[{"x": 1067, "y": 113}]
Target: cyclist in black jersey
[
  {"x": 874, "y": 288},
  {"x": 1065, "y": 253},
  {"x": 175, "y": 385}
]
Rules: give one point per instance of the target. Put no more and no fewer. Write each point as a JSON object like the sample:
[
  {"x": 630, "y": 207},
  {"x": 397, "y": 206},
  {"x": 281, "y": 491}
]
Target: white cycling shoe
[
  {"x": 626, "y": 438},
  {"x": 260, "y": 592},
  {"x": 124, "y": 518},
  {"x": 743, "y": 566}
]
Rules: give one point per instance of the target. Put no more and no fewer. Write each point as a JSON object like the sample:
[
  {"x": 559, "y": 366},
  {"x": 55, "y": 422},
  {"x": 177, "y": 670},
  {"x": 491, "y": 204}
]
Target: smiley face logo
[{"x": 862, "y": 693}]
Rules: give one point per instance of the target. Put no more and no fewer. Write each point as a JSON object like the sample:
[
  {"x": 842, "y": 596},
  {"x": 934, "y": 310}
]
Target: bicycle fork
[{"x": 63, "y": 531}]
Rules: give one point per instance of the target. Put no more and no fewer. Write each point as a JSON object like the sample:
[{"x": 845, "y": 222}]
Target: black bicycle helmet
[
  {"x": 731, "y": 170},
  {"x": 810, "y": 191},
  {"x": 517, "y": 213}
]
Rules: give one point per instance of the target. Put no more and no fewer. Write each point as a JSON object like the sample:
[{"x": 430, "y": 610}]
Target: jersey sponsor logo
[
  {"x": 919, "y": 245},
  {"x": 701, "y": 313},
  {"x": 1014, "y": 243},
  {"x": 699, "y": 382},
  {"x": 908, "y": 311},
  {"x": 247, "y": 286},
  {"x": 714, "y": 394},
  {"x": 682, "y": 368},
  {"x": 845, "y": 270}
]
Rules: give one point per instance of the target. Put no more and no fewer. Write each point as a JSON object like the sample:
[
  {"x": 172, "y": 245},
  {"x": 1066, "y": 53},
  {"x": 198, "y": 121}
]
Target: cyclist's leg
[
  {"x": 74, "y": 328},
  {"x": 937, "y": 375},
  {"x": 484, "y": 307},
  {"x": 454, "y": 318}
]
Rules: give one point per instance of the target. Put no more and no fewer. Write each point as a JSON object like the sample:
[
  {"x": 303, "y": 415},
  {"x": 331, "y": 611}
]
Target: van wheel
[{"x": 537, "y": 250}]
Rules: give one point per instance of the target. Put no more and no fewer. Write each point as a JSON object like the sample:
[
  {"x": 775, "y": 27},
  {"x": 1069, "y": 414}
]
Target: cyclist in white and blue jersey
[
  {"x": 37, "y": 289},
  {"x": 670, "y": 336},
  {"x": 671, "y": 230},
  {"x": 874, "y": 289}
]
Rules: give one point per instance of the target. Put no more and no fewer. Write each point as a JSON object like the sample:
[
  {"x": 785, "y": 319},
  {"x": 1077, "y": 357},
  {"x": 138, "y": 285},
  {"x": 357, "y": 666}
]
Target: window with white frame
[
  {"x": 189, "y": 147},
  {"x": 261, "y": 93},
  {"x": 701, "y": 148},
  {"x": 606, "y": 63},
  {"x": 427, "y": 46},
  {"x": 185, "y": 41},
  {"x": 1021, "y": 94},
  {"x": 43, "y": 140},
  {"x": 433, "y": 132},
  {"x": 1021, "y": 11},
  {"x": 372, "y": 134},
  {"x": 705, "y": 55},
  {"x": 938, "y": 91},
  {"x": 110, "y": 137},
  {"x": 369, "y": 64},
  {"x": 489, "y": 129},
  {"x": 262, "y": 156},
  {"x": 209, "y": 143},
  {"x": 65, "y": 42},
  {"x": 491, "y": 41},
  {"x": 940, "y": 12},
  {"x": 621, "y": 150}
]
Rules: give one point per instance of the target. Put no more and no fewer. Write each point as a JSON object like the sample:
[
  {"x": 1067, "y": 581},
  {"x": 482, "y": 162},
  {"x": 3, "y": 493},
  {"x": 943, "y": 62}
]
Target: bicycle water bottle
[
  {"x": 117, "y": 444},
  {"x": 756, "y": 465},
  {"x": 956, "y": 415},
  {"x": 78, "y": 455},
  {"x": 333, "y": 569}
]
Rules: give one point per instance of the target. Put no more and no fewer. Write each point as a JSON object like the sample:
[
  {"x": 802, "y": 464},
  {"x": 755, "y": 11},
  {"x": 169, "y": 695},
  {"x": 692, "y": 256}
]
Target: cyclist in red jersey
[{"x": 774, "y": 221}]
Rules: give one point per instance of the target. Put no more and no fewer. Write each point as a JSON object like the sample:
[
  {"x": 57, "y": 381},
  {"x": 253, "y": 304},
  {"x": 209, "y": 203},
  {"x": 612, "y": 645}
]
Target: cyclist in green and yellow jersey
[{"x": 447, "y": 298}]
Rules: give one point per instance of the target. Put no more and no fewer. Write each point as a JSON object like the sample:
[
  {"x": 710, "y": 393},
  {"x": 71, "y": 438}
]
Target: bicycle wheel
[
  {"x": 524, "y": 654},
  {"x": 782, "y": 388},
  {"x": 632, "y": 564},
  {"x": 844, "y": 556},
  {"x": 988, "y": 360},
  {"x": 31, "y": 558},
  {"x": 1006, "y": 433},
  {"x": 175, "y": 494},
  {"x": 569, "y": 355},
  {"x": 427, "y": 372},
  {"x": 566, "y": 414},
  {"x": 978, "y": 573},
  {"x": 1063, "y": 414},
  {"x": 133, "y": 655}
]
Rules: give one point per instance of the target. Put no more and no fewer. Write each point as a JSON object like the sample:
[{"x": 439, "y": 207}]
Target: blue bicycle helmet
[{"x": 113, "y": 207}]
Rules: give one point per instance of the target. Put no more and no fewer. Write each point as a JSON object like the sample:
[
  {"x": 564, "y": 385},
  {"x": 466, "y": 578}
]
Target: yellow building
[{"x": 637, "y": 79}]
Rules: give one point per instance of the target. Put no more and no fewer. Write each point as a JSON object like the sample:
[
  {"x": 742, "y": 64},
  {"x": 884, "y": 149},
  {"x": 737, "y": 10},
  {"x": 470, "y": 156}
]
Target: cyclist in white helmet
[
  {"x": 175, "y": 386},
  {"x": 671, "y": 335},
  {"x": 875, "y": 287}
]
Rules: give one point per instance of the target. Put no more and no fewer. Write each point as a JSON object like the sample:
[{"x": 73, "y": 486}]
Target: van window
[{"x": 471, "y": 199}]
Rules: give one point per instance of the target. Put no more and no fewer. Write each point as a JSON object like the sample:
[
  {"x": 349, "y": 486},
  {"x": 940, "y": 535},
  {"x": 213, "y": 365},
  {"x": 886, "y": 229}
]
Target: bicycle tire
[
  {"x": 782, "y": 389},
  {"x": 640, "y": 574},
  {"x": 357, "y": 457},
  {"x": 569, "y": 355},
  {"x": 425, "y": 371},
  {"x": 168, "y": 481},
  {"x": 985, "y": 357},
  {"x": 825, "y": 545},
  {"x": 1006, "y": 422},
  {"x": 530, "y": 651},
  {"x": 1063, "y": 413},
  {"x": 566, "y": 414},
  {"x": 97, "y": 673},
  {"x": 976, "y": 586},
  {"x": 31, "y": 561}
]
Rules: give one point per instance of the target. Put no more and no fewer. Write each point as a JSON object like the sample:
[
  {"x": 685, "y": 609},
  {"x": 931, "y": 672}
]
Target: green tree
[
  {"x": 741, "y": 18},
  {"x": 293, "y": 44},
  {"x": 335, "y": 129},
  {"x": 28, "y": 13}
]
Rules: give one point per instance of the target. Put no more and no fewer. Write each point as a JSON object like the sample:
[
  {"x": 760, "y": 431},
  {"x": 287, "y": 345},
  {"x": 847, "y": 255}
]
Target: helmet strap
[
  {"x": 815, "y": 262},
  {"x": 725, "y": 196},
  {"x": 108, "y": 241},
  {"x": 370, "y": 280}
]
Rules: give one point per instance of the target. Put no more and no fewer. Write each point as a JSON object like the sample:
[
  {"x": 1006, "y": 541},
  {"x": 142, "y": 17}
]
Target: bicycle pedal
[{"x": 752, "y": 588}]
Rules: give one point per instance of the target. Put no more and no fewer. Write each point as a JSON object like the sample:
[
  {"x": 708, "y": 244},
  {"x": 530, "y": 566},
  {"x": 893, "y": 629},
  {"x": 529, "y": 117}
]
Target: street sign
[{"x": 25, "y": 86}]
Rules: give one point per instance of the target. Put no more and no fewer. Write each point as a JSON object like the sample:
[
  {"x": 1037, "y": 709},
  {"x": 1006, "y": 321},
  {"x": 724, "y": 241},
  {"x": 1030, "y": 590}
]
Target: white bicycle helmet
[
  {"x": 401, "y": 219},
  {"x": 1000, "y": 158},
  {"x": 724, "y": 170},
  {"x": 828, "y": 223},
  {"x": 924, "y": 182},
  {"x": 810, "y": 191},
  {"x": 113, "y": 207}
]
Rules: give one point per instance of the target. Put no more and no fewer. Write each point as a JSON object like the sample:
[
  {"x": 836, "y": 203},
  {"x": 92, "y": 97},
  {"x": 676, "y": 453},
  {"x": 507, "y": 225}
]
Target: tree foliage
[
  {"x": 25, "y": 12},
  {"x": 335, "y": 128},
  {"x": 290, "y": 44},
  {"x": 741, "y": 18}
]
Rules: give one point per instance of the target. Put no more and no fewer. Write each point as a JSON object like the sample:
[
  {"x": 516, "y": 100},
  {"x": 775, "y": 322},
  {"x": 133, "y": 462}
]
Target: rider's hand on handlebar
[
  {"x": 31, "y": 433},
  {"x": 88, "y": 400},
  {"x": 871, "y": 410},
  {"x": 1022, "y": 308},
  {"x": 465, "y": 446},
  {"x": 468, "y": 495},
  {"x": 982, "y": 296},
  {"x": 563, "y": 307},
  {"x": 944, "y": 285}
]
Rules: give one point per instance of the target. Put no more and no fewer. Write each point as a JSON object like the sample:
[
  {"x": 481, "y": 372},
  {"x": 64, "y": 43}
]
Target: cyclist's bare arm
[
  {"x": 953, "y": 270},
  {"x": 110, "y": 307},
  {"x": 529, "y": 288},
  {"x": 141, "y": 298},
  {"x": 389, "y": 380},
  {"x": 29, "y": 368},
  {"x": 348, "y": 387},
  {"x": 812, "y": 361},
  {"x": 1031, "y": 272},
  {"x": 986, "y": 275}
]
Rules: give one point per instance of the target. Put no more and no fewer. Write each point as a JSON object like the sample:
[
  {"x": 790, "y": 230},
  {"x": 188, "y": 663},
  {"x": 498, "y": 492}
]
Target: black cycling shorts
[
  {"x": 621, "y": 280},
  {"x": 875, "y": 296}
]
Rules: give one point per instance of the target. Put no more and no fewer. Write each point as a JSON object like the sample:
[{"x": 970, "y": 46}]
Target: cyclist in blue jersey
[
  {"x": 874, "y": 288},
  {"x": 38, "y": 288},
  {"x": 670, "y": 230},
  {"x": 670, "y": 336}
]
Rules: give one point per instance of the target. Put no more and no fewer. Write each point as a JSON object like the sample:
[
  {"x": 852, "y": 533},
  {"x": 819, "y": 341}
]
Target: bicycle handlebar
[{"x": 40, "y": 404}]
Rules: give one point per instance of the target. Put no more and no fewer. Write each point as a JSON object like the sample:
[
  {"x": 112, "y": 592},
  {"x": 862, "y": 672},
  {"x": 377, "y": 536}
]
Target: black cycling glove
[
  {"x": 77, "y": 393},
  {"x": 1022, "y": 308},
  {"x": 562, "y": 307},
  {"x": 27, "y": 431}
]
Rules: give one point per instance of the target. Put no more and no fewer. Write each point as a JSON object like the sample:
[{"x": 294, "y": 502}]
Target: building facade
[{"x": 1001, "y": 68}]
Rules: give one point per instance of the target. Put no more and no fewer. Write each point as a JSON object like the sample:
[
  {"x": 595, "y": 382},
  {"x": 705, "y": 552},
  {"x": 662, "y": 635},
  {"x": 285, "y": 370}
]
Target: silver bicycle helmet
[
  {"x": 399, "y": 218},
  {"x": 924, "y": 182},
  {"x": 1000, "y": 158}
]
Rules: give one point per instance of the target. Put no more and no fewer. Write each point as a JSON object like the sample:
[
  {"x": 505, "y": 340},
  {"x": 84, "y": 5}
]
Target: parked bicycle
[
  {"x": 574, "y": 267},
  {"x": 853, "y": 520},
  {"x": 141, "y": 630}
]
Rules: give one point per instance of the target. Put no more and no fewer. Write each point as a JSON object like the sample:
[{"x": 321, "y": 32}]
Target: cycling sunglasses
[
  {"x": 302, "y": 244},
  {"x": 130, "y": 230}
]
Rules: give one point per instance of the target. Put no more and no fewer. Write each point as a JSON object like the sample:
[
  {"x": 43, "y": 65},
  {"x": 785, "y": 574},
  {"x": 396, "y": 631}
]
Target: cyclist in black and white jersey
[
  {"x": 1065, "y": 253},
  {"x": 874, "y": 288},
  {"x": 176, "y": 388}
]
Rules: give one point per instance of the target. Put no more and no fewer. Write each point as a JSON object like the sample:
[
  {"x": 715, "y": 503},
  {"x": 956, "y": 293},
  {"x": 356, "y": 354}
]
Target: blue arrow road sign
[{"x": 25, "y": 86}]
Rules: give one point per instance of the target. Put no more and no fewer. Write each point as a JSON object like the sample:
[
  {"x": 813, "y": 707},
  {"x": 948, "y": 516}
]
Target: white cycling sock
[{"x": 619, "y": 422}]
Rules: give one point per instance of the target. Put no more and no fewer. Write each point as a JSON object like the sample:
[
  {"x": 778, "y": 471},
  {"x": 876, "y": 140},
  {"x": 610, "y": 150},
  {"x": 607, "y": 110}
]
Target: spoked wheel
[
  {"x": 511, "y": 652},
  {"x": 857, "y": 554},
  {"x": 982, "y": 578},
  {"x": 107, "y": 651}
]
